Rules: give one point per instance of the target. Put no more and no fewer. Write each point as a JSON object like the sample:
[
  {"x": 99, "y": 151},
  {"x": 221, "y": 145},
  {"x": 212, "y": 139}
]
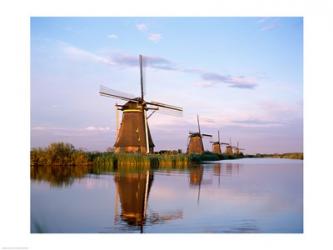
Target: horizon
[{"x": 243, "y": 76}]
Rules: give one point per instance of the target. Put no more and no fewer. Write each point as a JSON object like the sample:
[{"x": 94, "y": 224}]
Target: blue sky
[{"x": 243, "y": 76}]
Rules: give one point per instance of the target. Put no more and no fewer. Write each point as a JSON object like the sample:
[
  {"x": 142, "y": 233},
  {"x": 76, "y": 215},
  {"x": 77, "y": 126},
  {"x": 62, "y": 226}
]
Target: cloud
[
  {"x": 118, "y": 59},
  {"x": 233, "y": 81},
  {"x": 283, "y": 112},
  {"x": 113, "y": 36},
  {"x": 193, "y": 70},
  {"x": 243, "y": 86},
  {"x": 141, "y": 27},
  {"x": 268, "y": 114},
  {"x": 204, "y": 84},
  {"x": 262, "y": 19},
  {"x": 155, "y": 37},
  {"x": 207, "y": 120},
  {"x": 270, "y": 26},
  {"x": 160, "y": 63},
  {"x": 93, "y": 128},
  {"x": 209, "y": 78},
  {"x": 150, "y": 61},
  {"x": 72, "y": 130},
  {"x": 256, "y": 122},
  {"x": 81, "y": 54},
  {"x": 268, "y": 23}
]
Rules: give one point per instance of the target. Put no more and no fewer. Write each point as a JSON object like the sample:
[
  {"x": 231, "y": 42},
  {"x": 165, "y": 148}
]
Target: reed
[
  {"x": 62, "y": 154},
  {"x": 102, "y": 163}
]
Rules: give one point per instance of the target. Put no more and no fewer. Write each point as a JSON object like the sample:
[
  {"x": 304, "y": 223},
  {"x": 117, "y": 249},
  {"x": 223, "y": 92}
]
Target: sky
[{"x": 242, "y": 75}]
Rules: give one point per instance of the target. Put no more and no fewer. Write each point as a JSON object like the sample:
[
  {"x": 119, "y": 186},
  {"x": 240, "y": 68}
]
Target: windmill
[
  {"x": 134, "y": 134},
  {"x": 216, "y": 145},
  {"x": 195, "y": 144},
  {"x": 228, "y": 149},
  {"x": 237, "y": 149}
]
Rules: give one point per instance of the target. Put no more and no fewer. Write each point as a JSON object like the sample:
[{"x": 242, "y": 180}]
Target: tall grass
[
  {"x": 58, "y": 154},
  {"x": 170, "y": 160}
]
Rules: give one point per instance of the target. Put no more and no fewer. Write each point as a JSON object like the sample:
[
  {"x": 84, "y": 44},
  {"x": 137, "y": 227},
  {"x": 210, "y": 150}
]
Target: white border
[{"x": 15, "y": 112}]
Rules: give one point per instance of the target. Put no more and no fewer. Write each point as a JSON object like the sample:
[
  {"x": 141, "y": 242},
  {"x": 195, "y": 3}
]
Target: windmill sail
[
  {"x": 144, "y": 111},
  {"x": 141, "y": 78},
  {"x": 167, "y": 111},
  {"x": 198, "y": 124},
  {"x": 163, "y": 105},
  {"x": 104, "y": 91}
]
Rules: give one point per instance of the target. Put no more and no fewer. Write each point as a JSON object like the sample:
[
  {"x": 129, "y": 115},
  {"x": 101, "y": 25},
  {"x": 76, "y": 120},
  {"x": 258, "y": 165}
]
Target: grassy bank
[
  {"x": 296, "y": 156},
  {"x": 209, "y": 156},
  {"x": 64, "y": 154}
]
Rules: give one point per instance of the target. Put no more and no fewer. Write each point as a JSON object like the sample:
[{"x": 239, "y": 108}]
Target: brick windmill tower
[
  {"x": 216, "y": 145},
  {"x": 134, "y": 134},
  {"x": 195, "y": 145},
  {"x": 228, "y": 149},
  {"x": 237, "y": 150}
]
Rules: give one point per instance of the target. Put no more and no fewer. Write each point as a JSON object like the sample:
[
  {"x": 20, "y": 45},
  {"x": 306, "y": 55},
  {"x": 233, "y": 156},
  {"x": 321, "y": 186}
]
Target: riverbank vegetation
[
  {"x": 57, "y": 154},
  {"x": 64, "y": 154},
  {"x": 60, "y": 163},
  {"x": 295, "y": 156}
]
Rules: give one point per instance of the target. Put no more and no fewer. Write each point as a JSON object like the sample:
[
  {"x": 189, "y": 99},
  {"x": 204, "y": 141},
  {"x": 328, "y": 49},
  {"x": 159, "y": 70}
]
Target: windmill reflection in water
[{"x": 132, "y": 190}]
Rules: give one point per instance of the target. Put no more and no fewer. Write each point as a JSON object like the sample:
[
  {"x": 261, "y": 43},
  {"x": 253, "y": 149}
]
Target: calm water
[{"x": 238, "y": 196}]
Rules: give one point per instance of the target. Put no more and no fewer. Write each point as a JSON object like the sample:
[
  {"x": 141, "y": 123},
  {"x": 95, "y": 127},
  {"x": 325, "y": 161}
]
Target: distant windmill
[
  {"x": 134, "y": 134},
  {"x": 216, "y": 145},
  {"x": 228, "y": 149},
  {"x": 195, "y": 144},
  {"x": 237, "y": 149}
]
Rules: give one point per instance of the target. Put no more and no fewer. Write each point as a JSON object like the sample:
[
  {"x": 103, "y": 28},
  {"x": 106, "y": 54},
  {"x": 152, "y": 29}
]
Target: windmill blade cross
[
  {"x": 166, "y": 106},
  {"x": 171, "y": 112},
  {"x": 207, "y": 135},
  {"x": 104, "y": 91}
]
